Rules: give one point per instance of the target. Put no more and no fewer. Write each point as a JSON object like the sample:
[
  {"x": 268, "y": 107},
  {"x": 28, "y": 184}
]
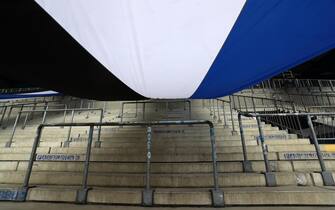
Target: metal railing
[
  {"x": 45, "y": 111},
  {"x": 143, "y": 103},
  {"x": 217, "y": 194},
  {"x": 312, "y": 134}
]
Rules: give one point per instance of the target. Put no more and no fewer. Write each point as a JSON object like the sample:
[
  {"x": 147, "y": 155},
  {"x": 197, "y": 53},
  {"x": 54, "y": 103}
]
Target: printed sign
[
  {"x": 53, "y": 157},
  {"x": 306, "y": 155}
]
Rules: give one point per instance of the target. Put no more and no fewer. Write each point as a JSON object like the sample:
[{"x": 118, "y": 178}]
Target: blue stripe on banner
[
  {"x": 269, "y": 37},
  {"x": 18, "y": 96}
]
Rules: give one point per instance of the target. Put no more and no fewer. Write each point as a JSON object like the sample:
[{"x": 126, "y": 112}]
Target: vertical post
[
  {"x": 231, "y": 115},
  {"x": 34, "y": 108},
  {"x": 143, "y": 114},
  {"x": 148, "y": 192},
  {"x": 82, "y": 193},
  {"x": 247, "y": 167},
  {"x": 122, "y": 109},
  {"x": 210, "y": 107},
  {"x": 253, "y": 104},
  {"x": 3, "y": 115},
  {"x": 67, "y": 141},
  {"x": 218, "y": 109},
  {"x": 326, "y": 175},
  {"x": 10, "y": 141},
  {"x": 25, "y": 120},
  {"x": 245, "y": 103},
  {"x": 81, "y": 103},
  {"x": 190, "y": 109},
  {"x": 217, "y": 193},
  {"x": 269, "y": 176},
  {"x": 45, "y": 113},
  {"x": 24, "y": 189},
  {"x": 8, "y": 117},
  {"x": 214, "y": 111},
  {"x": 65, "y": 112},
  {"x": 224, "y": 115},
  {"x": 104, "y": 107},
  {"x": 98, "y": 142}
]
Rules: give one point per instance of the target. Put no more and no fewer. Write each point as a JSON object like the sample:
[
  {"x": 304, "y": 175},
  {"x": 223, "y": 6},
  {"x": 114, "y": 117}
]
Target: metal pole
[
  {"x": 122, "y": 108},
  {"x": 148, "y": 192},
  {"x": 45, "y": 114},
  {"x": 10, "y": 141},
  {"x": 231, "y": 114},
  {"x": 224, "y": 115},
  {"x": 218, "y": 109},
  {"x": 210, "y": 107},
  {"x": 8, "y": 116},
  {"x": 247, "y": 167},
  {"x": 98, "y": 142},
  {"x": 214, "y": 111},
  {"x": 214, "y": 158},
  {"x": 143, "y": 114},
  {"x": 67, "y": 142},
  {"x": 32, "y": 158},
  {"x": 190, "y": 109},
  {"x": 3, "y": 115},
  {"x": 316, "y": 144},
  {"x": 269, "y": 176},
  {"x": 65, "y": 112},
  {"x": 88, "y": 155},
  {"x": 217, "y": 193},
  {"x": 264, "y": 149}
]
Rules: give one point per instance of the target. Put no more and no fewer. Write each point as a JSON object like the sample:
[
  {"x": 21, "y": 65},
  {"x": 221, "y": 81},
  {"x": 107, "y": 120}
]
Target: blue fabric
[
  {"x": 18, "y": 96},
  {"x": 269, "y": 37}
]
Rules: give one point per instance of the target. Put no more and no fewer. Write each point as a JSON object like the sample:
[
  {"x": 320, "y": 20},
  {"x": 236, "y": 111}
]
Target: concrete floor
[{"x": 57, "y": 206}]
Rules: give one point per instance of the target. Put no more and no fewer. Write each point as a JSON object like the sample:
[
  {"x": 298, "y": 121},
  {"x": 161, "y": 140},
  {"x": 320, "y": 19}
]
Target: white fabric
[{"x": 159, "y": 48}]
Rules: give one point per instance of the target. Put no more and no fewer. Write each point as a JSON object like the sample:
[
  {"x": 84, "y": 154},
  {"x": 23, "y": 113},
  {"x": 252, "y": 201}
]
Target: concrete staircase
[{"x": 181, "y": 170}]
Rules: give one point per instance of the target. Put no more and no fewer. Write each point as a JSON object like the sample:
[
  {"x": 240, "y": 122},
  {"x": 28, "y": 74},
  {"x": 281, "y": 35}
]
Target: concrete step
[
  {"x": 173, "y": 168},
  {"x": 198, "y": 180},
  {"x": 242, "y": 196}
]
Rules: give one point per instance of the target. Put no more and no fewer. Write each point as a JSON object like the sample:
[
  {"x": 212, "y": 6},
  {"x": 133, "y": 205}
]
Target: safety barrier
[
  {"x": 45, "y": 111},
  {"x": 143, "y": 103},
  {"x": 269, "y": 175},
  {"x": 217, "y": 194}
]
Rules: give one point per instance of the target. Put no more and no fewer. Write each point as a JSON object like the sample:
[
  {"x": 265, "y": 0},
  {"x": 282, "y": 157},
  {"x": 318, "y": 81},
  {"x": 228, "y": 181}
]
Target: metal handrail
[
  {"x": 153, "y": 102},
  {"x": 147, "y": 193},
  {"x": 45, "y": 111},
  {"x": 326, "y": 175}
]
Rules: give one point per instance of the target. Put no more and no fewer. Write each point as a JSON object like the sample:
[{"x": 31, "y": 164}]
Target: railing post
[
  {"x": 143, "y": 114},
  {"x": 190, "y": 110},
  {"x": 247, "y": 166},
  {"x": 8, "y": 117},
  {"x": 82, "y": 193},
  {"x": 3, "y": 114},
  {"x": 270, "y": 177},
  {"x": 231, "y": 98},
  {"x": 65, "y": 113},
  {"x": 10, "y": 141},
  {"x": 224, "y": 115},
  {"x": 98, "y": 142},
  {"x": 218, "y": 109},
  {"x": 253, "y": 104},
  {"x": 217, "y": 193},
  {"x": 122, "y": 110},
  {"x": 214, "y": 111},
  {"x": 45, "y": 113},
  {"x": 148, "y": 192},
  {"x": 67, "y": 141},
  {"x": 326, "y": 175},
  {"x": 24, "y": 189}
]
